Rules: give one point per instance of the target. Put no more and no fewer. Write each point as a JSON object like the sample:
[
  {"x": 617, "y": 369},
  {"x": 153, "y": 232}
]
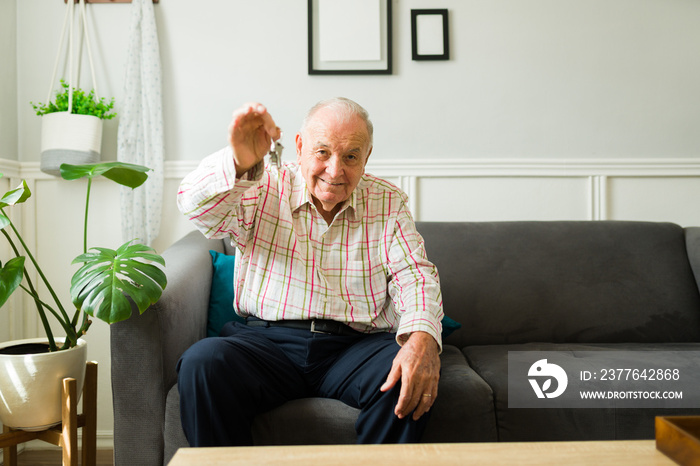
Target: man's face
[{"x": 332, "y": 153}]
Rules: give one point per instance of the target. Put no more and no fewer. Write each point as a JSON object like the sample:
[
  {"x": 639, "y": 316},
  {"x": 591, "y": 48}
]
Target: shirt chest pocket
[{"x": 364, "y": 283}]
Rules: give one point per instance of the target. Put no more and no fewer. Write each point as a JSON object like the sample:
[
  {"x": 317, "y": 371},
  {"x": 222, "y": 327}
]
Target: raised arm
[{"x": 211, "y": 196}]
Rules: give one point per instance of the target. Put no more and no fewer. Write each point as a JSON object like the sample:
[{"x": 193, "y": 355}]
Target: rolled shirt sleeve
[{"x": 415, "y": 285}]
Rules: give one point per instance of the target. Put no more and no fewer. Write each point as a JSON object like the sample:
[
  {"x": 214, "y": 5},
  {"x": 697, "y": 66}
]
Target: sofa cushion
[
  {"x": 307, "y": 421},
  {"x": 464, "y": 408},
  {"x": 533, "y": 424},
  {"x": 516, "y": 282}
]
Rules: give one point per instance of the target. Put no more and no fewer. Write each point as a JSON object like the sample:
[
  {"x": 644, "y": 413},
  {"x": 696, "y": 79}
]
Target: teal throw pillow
[
  {"x": 449, "y": 326},
  {"x": 221, "y": 296}
]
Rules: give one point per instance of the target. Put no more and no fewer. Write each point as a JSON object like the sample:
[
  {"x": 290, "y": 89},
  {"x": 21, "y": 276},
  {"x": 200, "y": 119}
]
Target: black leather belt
[{"x": 330, "y": 327}]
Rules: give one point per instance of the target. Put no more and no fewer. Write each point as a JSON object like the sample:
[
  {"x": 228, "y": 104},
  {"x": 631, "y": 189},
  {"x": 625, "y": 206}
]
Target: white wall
[
  {"x": 8, "y": 80},
  {"x": 548, "y": 109},
  {"x": 528, "y": 78},
  {"x": 9, "y": 327}
]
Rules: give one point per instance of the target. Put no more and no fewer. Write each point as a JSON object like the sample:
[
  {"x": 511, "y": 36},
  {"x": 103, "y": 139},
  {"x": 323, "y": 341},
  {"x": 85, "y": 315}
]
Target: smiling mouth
[{"x": 330, "y": 183}]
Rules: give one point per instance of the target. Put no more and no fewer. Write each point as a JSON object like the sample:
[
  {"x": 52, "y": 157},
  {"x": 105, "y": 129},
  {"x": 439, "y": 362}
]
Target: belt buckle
[{"x": 313, "y": 329}]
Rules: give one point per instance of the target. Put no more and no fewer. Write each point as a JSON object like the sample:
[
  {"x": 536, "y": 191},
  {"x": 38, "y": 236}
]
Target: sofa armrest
[{"x": 145, "y": 349}]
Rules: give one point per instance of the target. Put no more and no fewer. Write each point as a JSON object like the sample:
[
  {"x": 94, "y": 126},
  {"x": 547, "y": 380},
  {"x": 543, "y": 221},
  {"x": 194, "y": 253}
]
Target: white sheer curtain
[{"x": 140, "y": 137}]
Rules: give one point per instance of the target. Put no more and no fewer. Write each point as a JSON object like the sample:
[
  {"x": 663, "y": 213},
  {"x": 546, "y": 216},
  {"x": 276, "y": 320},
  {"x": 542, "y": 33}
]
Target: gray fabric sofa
[{"x": 512, "y": 286}]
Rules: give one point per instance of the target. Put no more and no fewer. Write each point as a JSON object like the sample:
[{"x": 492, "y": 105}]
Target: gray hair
[{"x": 345, "y": 108}]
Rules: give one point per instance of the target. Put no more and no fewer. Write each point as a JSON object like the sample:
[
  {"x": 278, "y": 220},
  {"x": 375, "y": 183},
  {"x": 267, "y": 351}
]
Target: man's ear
[
  {"x": 297, "y": 140},
  {"x": 367, "y": 158}
]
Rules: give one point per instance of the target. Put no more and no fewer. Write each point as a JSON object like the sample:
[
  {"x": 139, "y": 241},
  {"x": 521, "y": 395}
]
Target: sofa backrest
[{"x": 517, "y": 282}]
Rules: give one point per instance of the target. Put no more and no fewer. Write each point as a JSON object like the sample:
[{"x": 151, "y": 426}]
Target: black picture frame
[
  {"x": 317, "y": 66},
  {"x": 416, "y": 36}
]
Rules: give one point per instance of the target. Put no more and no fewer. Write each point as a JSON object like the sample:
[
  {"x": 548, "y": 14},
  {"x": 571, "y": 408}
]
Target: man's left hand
[{"x": 417, "y": 366}]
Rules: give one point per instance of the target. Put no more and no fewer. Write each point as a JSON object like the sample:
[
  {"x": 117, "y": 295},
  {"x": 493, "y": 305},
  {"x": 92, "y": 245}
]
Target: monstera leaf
[
  {"x": 15, "y": 196},
  {"x": 101, "y": 286},
  {"x": 10, "y": 277},
  {"x": 10, "y": 198},
  {"x": 125, "y": 174},
  {"x": 11, "y": 273}
]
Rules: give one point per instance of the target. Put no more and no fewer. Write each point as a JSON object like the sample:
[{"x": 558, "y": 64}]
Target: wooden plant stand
[{"x": 65, "y": 434}]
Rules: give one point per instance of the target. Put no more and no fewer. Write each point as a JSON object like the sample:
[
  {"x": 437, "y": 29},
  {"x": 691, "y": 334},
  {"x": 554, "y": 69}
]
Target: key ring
[{"x": 276, "y": 152}]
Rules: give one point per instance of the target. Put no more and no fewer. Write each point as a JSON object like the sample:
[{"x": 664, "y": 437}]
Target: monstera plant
[{"x": 106, "y": 282}]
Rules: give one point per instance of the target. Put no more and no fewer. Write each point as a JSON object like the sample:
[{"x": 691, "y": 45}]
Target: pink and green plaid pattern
[{"x": 368, "y": 268}]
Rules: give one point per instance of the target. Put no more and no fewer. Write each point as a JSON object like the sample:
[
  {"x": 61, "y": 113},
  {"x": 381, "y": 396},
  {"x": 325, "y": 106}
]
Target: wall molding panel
[{"x": 542, "y": 180}]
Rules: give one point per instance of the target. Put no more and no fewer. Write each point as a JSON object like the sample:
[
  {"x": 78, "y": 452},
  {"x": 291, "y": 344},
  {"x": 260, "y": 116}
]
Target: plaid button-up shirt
[{"x": 368, "y": 268}]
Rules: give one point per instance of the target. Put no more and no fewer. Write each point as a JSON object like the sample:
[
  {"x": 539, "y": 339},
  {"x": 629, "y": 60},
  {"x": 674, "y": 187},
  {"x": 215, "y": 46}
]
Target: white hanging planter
[
  {"x": 31, "y": 384},
  {"x": 69, "y": 138}
]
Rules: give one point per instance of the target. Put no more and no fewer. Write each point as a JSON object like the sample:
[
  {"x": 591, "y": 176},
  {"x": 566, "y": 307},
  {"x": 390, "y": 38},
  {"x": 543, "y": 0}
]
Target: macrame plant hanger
[{"x": 68, "y": 137}]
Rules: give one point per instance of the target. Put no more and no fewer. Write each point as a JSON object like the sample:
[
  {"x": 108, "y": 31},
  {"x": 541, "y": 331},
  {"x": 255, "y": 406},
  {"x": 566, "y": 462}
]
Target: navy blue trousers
[{"x": 226, "y": 381}]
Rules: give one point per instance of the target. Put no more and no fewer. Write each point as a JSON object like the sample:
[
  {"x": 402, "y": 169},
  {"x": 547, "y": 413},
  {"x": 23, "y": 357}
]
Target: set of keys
[{"x": 276, "y": 153}]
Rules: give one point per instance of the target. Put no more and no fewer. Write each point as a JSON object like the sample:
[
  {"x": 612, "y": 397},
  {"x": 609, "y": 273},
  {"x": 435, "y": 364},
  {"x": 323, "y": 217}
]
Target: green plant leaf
[
  {"x": 125, "y": 174},
  {"x": 16, "y": 196},
  {"x": 82, "y": 104},
  {"x": 101, "y": 286},
  {"x": 10, "y": 278}
]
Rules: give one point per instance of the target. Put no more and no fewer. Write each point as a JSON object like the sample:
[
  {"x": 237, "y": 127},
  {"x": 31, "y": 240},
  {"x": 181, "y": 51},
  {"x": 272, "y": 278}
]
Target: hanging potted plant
[
  {"x": 71, "y": 127},
  {"x": 104, "y": 286}
]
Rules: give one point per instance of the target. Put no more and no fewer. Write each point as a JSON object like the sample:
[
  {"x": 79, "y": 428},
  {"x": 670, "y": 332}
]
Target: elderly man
[{"x": 339, "y": 298}]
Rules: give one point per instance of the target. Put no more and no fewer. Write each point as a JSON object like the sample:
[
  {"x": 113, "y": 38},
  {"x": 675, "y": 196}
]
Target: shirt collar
[{"x": 301, "y": 195}]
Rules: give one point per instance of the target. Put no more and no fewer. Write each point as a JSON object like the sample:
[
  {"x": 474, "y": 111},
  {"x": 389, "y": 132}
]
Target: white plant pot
[
  {"x": 31, "y": 384},
  {"x": 69, "y": 138}
]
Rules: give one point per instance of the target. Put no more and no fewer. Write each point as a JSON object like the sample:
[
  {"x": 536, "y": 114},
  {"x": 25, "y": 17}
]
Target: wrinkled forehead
[{"x": 336, "y": 128}]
